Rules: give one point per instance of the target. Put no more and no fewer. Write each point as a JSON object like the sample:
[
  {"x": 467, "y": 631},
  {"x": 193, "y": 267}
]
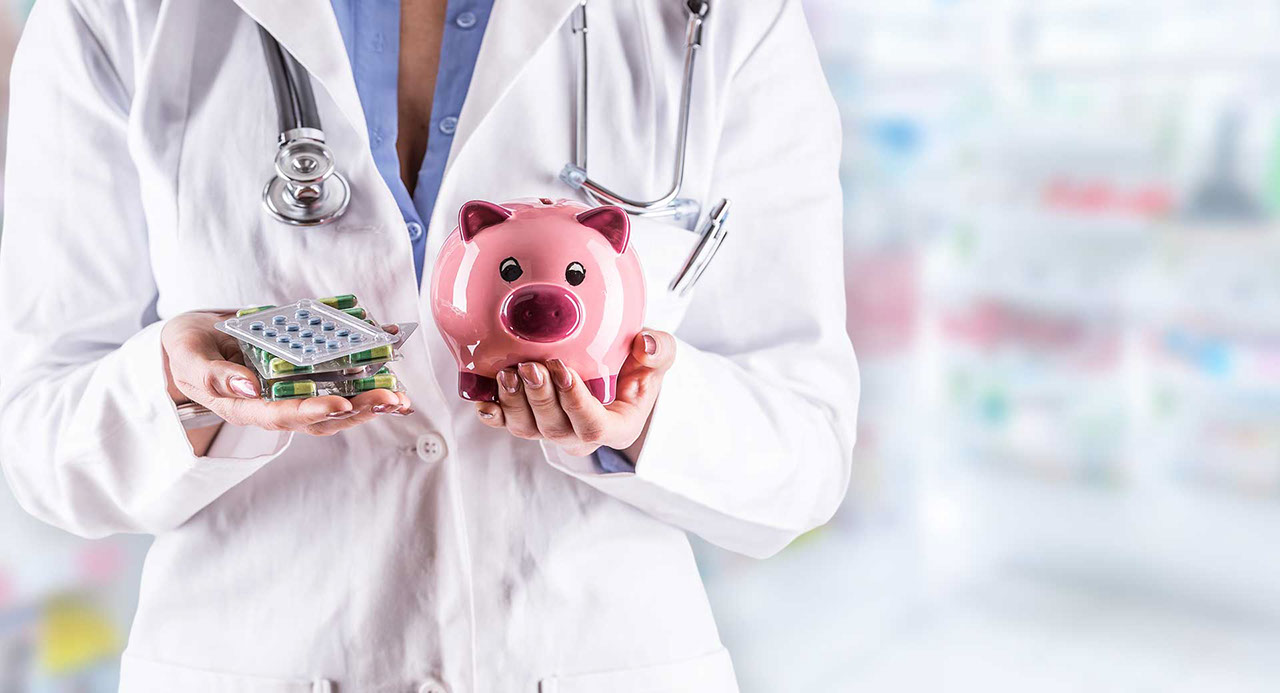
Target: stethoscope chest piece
[{"x": 307, "y": 190}]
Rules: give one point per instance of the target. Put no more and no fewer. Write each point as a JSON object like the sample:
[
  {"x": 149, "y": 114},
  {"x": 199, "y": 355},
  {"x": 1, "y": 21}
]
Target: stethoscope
[
  {"x": 308, "y": 190},
  {"x": 575, "y": 174}
]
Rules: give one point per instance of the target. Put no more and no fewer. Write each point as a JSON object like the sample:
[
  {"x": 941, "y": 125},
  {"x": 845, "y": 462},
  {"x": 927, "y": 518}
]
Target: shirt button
[
  {"x": 415, "y": 230},
  {"x": 466, "y": 20},
  {"x": 448, "y": 125},
  {"x": 431, "y": 448}
]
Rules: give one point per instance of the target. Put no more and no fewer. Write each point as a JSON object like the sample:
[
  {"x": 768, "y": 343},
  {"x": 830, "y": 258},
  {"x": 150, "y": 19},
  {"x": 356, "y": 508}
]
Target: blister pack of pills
[
  {"x": 306, "y": 332},
  {"x": 346, "y": 303},
  {"x": 270, "y": 366},
  {"x": 318, "y": 347},
  {"x": 298, "y": 388}
]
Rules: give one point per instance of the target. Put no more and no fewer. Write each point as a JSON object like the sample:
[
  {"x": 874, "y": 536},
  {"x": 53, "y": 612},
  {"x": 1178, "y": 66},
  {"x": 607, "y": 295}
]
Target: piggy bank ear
[
  {"x": 478, "y": 215},
  {"x": 611, "y": 222}
]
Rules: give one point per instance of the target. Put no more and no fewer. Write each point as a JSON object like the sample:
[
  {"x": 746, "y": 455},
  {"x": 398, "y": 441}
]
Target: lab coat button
[
  {"x": 448, "y": 125},
  {"x": 432, "y": 687},
  {"x": 466, "y": 20},
  {"x": 431, "y": 447},
  {"x": 415, "y": 230}
]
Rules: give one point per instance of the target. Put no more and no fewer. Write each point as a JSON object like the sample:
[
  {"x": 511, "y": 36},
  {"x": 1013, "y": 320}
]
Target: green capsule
[
  {"x": 278, "y": 366},
  {"x": 250, "y": 311},
  {"x": 382, "y": 353},
  {"x": 289, "y": 389},
  {"x": 383, "y": 371},
  {"x": 341, "y": 301},
  {"x": 356, "y": 312},
  {"x": 377, "y": 382}
]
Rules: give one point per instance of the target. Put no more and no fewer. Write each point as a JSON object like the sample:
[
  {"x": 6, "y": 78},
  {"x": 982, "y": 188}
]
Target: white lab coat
[{"x": 430, "y": 552}]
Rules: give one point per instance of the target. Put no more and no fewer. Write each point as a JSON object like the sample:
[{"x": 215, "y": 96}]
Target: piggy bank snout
[{"x": 541, "y": 313}]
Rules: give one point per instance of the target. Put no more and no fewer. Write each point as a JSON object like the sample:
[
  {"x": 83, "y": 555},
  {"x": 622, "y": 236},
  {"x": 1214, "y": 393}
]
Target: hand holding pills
[{"x": 206, "y": 366}]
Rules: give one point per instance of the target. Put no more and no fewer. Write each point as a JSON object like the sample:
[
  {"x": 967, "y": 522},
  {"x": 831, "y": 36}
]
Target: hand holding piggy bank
[{"x": 534, "y": 280}]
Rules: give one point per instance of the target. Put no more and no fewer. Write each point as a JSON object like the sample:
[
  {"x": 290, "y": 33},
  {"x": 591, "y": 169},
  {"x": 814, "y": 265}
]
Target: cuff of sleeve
[
  {"x": 684, "y": 469},
  {"x": 189, "y": 482},
  {"x": 612, "y": 461}
]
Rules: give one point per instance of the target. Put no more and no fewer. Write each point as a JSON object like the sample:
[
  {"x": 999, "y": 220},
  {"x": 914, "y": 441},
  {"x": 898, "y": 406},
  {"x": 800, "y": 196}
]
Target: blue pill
[
  {"x": 356, "y": 337},
  {"x": 283, "y": 339},
  {"x": 293, "y": 327},
  {"x": 258, "y": 326},
  {"x": 308, "y": 350},
  {"x": 295, "y": 345},
  {"x": 343, "y": 332},
  {"x": 302, "y": 313},
  {"x": 307, "y": 333},
  {"x": 270, "y": 333},
  {"x": 333, "y": 344},
  {"x": 314, "y": 320},
  {"x": 328, "y": 327},
  {"x": 278, "y": 320}
]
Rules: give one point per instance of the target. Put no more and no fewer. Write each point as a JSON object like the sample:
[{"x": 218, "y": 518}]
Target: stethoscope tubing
[
  {"x": 577, "y": 175},
  {"x": 285, "y": 85}
]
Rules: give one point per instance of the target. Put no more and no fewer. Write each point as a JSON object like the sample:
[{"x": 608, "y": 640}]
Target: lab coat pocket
[
  {"x": 662, "y": 248},
  {"x": 141, "y": 675},
  {"x": 710, "y": 673}
]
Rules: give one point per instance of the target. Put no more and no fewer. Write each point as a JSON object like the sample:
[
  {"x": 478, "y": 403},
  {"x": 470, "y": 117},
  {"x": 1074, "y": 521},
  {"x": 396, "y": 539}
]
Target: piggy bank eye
[
  {"x": 575, "y": 273},
  {"x": 510, "y": 270}
]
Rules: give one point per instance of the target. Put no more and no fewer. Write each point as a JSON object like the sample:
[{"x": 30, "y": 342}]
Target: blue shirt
[{"x": 371, "y": 32}]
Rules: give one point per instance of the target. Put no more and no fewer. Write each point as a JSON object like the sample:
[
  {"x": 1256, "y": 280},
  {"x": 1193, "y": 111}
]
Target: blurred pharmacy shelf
[
  {"x": 65, "y": 605},
  {"x": 1063, "y": 219}
]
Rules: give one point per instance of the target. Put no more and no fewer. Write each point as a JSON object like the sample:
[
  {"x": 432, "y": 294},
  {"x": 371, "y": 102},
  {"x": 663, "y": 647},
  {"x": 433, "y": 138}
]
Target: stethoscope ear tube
[{"x": 575, "y": 174}]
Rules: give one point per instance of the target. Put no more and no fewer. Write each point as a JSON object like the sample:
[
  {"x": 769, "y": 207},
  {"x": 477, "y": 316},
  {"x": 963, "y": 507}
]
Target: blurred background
[{"x": 1062, "y": 229}]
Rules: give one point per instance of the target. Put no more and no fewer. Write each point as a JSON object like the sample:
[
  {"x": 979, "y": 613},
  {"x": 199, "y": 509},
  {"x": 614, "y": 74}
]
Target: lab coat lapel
[
  {"x": 516, "y": 30},
  {"x": 309, "y": 31}
]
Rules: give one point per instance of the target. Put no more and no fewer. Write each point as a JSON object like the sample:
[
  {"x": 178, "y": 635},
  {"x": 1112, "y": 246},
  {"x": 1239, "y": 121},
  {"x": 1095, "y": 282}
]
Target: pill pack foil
[
  {"x": 306, "y": 332},
  {"x": 271, "y": 366},
  {"x": 318, "y": 347},
  {"x": 342, "y": 386}
]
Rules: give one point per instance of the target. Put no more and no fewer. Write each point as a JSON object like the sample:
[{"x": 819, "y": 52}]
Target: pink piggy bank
[{"x": 533, "y": 280}]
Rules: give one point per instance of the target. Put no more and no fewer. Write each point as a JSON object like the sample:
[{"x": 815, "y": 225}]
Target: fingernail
[
  {"x": 532, "y": 376},
  {"x": 486, "y": 414},
  {"x": 560, "y": 374},
  {"x": 650, "y": 343},
  {"x": 341, "y": 414},
  {"x": 508, "y": 381},
  {"x": 241, "y": 386},
  {"x": 384, "y": 408},
  {"x": 404, "y": 411}
]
